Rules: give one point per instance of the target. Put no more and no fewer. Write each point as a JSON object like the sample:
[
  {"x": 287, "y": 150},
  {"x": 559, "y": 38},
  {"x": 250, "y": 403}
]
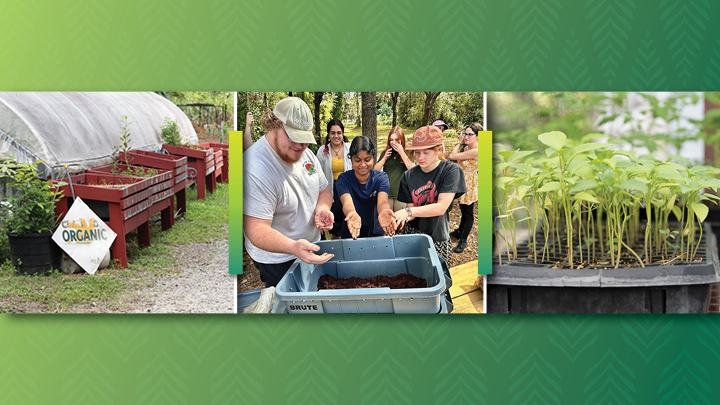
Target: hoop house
[{"x": 81, "y": 128}]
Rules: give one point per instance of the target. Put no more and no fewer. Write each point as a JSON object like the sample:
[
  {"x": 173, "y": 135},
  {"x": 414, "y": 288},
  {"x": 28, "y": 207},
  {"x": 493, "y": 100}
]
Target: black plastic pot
[
  {"x": 539, "y": 288},
  {"x": 34, "y": 253}
]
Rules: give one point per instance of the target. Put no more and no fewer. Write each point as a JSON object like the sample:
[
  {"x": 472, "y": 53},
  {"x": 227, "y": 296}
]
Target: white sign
[{"x": 84, "y": 236}]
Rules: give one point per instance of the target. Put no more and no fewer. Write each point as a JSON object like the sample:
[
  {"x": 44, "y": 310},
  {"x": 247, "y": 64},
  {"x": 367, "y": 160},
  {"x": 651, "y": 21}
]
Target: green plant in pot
[{"x": 28, "y": 214}]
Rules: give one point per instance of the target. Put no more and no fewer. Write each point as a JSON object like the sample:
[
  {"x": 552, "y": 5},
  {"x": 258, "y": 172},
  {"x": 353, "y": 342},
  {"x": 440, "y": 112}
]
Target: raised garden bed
[
  {"x": 162, "y": 161},
  {"x": 203, "y": 164},
  {"x": 161, "y": 187},
  {"x": 226, "y": 157},
  {"x": 124, "y": 207}
]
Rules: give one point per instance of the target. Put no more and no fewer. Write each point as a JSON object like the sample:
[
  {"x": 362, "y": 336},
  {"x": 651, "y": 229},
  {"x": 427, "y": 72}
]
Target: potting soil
[{"x": 328, "y": 282}]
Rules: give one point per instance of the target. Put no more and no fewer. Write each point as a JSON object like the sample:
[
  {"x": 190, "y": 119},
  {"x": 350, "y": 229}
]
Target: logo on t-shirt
[
  {"x": 309, "y": 167},
  {"x": 426, "y": 194}
]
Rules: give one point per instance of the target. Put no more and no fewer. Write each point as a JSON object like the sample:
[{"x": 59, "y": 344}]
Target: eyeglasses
[{"x": 467, "y": 134}]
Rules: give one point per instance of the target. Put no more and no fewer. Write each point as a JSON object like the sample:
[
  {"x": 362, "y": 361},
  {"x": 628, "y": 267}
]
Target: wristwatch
[{"x": 409, "y": 212}]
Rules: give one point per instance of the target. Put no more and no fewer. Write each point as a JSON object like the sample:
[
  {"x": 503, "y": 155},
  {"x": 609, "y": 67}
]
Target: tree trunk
[
  {"x": 358, "y": 122},
  {"x": 318, "y": 99},
  {"x": 394, "y": 96},
  {"x": 430, "y": 98},
  {"x": 369, "y": 116}
]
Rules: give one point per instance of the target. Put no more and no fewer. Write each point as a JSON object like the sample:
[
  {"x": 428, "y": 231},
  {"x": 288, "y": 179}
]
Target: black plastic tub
[
  {"x": 34, "y": 253},
  {"x": 681, "y": 287}
]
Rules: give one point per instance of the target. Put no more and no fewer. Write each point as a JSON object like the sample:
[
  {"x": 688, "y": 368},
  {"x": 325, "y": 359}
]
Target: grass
[{"x": 204, "y": 221}]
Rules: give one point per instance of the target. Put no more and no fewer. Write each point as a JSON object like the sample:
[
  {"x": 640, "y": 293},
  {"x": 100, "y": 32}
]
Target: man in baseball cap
[{"x": 286, "y": 199}]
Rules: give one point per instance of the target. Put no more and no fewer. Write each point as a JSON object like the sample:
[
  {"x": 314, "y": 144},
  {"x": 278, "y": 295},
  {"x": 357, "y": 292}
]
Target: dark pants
[
  {"x": 466, "y": 220},
  {"x": 271, "y": 274}
]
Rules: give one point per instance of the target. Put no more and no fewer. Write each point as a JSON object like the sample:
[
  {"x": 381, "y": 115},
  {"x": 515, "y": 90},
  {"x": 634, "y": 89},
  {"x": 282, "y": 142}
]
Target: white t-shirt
[{"x": 285, "y": 193}]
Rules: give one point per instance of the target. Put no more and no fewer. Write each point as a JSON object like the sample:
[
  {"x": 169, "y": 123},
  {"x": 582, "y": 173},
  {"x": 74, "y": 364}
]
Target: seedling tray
[
  {"x": 677, "y": 287},
  {"x": 366, "y": 258}
]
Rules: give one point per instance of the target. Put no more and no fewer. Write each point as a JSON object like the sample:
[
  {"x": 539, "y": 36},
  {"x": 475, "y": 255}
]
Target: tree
[
  {"x": 338, "y": 106},
  {"x": 430, "y": 98},
  {"x": 369, "y": 116},
  {"x": 394, "y": 97},
  {"x": 358, "y": 124},
  {"x": 318, "y": 96}
]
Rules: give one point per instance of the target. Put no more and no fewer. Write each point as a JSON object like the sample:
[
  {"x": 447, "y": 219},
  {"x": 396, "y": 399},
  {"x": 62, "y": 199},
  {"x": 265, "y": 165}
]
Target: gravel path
[{"x": 204, "y": 286}]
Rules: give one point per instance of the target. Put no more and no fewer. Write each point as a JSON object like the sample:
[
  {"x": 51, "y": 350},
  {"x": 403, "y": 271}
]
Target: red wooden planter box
[
  {"x": 202, "y": 161},
  {"x": 225, "y": 155},
  {"x": 162, "y": 176},
  {"x": 161, "y": 191},
  {"x": 127, "y": 206},
  {"x": 178, "y": 165}
]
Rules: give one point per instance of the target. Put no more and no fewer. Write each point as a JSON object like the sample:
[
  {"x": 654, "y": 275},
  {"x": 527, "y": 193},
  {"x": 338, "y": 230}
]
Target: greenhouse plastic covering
[{"x": 80, "y": 128}]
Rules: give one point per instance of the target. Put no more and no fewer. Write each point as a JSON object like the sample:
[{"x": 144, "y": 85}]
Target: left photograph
[{"x": 115, "y": 202}]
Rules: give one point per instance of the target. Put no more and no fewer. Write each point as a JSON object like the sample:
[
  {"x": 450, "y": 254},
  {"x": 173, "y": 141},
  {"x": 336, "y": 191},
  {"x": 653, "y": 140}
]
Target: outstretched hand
[
  {"x": 354, "y": 223},
  {"x": 387, "y": 221},
  {"x": 324, "y": 220},
  {"x": 304, "y": 251}
]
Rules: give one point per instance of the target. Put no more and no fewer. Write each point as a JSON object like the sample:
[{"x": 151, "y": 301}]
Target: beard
[{"x": 287, "y": 154}]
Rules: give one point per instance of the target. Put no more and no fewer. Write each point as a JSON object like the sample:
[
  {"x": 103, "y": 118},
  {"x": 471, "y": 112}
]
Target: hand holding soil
[
  {"x": 401, "y": 217},
  {"x": 354, "y": 223},
  {"x": 304, "y": 251},
  {"x": 324, "y": 220},
  {"x": 387, "y": 221}
]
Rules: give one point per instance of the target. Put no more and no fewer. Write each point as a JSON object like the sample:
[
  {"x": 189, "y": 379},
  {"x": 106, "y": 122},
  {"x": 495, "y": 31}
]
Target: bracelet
[{"x": 409, "y": 212}]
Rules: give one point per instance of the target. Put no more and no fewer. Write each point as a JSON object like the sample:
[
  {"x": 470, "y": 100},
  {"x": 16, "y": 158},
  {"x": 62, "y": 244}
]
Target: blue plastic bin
[{"x": 367, "y": 258}]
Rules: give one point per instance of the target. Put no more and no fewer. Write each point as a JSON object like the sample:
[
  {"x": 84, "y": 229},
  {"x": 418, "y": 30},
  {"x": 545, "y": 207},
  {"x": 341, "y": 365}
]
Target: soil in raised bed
[{"x": 328, "y": 282}]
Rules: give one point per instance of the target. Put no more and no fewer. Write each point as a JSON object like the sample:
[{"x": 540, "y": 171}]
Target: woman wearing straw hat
[{"x": 428, "y": 189}]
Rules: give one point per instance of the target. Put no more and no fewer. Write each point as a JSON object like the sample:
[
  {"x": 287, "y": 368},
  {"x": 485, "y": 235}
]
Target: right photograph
[{"x": 605, "y": 202}]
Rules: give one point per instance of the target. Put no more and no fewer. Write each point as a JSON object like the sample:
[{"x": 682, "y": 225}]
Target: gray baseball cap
[{"x": 296, "y": 118}]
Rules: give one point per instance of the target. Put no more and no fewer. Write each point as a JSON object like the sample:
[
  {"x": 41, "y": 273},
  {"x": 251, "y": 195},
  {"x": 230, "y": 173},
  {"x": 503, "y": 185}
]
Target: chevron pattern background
[
  {"x": 447, "y": 45},
  {"x": 274, "y": 45}
]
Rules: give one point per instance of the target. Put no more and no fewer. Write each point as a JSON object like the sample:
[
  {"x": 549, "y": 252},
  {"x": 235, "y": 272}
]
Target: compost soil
[
  {"x": 250, "y": 279},
  {"x": 328, "y": 282}
]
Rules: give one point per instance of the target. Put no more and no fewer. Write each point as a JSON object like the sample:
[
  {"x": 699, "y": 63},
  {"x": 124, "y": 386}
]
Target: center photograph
[{"x": 360, "y": 202}]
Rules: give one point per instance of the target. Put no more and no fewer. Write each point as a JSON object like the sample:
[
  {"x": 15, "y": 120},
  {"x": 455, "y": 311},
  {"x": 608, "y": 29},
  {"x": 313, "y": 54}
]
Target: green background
[{"x": 365, "y": 45}]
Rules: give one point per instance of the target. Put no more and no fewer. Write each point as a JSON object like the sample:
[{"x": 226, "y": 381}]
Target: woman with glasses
[
  {"x": 334, "y": 161},
  {"x": 468, "y": 160}
]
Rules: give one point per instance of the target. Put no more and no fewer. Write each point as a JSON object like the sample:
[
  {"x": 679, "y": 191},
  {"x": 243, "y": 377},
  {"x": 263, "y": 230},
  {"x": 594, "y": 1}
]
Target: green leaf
[
  {"x": 520, "y": 154},
  {"x": 583, "y": 185},
  {"x": 588, "y": 146},
  {"x": 552, "y": 186},
  {"x": 554, "y": 139},
  {"x": 586, "y": 197},
  {"x": 671, "y": 201},
  {"x": 678, "y": 213},
  {"x": 634, "y": 184},
  {"x": 701, "y": 211},
  {"x": 506, "y": 155}
]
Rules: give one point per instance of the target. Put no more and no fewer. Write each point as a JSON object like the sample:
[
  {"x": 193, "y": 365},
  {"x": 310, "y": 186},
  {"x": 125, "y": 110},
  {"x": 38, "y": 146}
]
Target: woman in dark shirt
[{"x": 363, "y": 193}]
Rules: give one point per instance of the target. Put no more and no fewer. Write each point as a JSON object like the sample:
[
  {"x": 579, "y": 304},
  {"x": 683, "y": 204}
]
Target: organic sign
[{"x": 84, "y": 236}]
